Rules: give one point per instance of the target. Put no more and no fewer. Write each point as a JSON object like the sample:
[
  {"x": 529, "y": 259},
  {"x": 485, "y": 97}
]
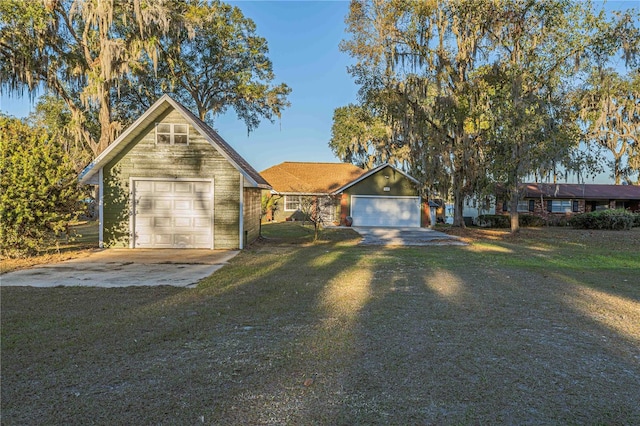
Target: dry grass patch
[{"x": 84, "y": 240}]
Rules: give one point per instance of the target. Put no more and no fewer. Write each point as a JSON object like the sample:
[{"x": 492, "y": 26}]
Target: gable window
[
  {"x": 292, "y": 202},
  {"x": 172, "y": 134}
]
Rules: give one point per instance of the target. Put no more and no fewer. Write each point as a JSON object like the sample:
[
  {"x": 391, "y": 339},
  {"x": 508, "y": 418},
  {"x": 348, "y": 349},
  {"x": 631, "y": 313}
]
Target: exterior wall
[
  {"x": 540, "y": 208},
  {"x": 252, "y": 213},
  {"x": 474, "y": 207},
  {"x": 143, "y": 158},
  {"x": 397, "y": 184},
  {"x": 280, "y": 215}
]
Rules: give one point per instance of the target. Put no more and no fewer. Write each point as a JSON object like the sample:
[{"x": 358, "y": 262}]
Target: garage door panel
[
  {"x": 160, "y": 204},
  {"x": 201, "y": 222},
  {"x": 183, "y": 187},
  {"x": 161, "y": 222},
  {"x": 182, "y": 222},
  {"x": 173, "y": 214},
  {"x": 183, "y": 204},
  {"x": 385, "y": 211},
  {"x": 160, "y": 187}
]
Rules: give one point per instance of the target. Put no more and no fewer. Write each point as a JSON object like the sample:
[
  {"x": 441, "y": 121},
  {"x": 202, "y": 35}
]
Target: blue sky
[{"x": 303, "y": 38}]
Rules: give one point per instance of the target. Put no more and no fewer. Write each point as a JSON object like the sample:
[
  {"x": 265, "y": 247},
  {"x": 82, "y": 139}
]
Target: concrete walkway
[
  {"x": 377, "y": 236},
  {"x": 125, "y": 268}
]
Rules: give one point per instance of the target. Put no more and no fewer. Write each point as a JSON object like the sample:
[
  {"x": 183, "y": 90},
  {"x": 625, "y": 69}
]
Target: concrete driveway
[
  {"x": 377, "y": 236},
  {"x": 125, "y": 268}
]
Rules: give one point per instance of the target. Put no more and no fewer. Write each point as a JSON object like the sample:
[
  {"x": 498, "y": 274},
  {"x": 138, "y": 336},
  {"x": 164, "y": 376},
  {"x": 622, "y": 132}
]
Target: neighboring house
[
  {"x": 170, "y": 181},
  {"x": 384, "y": 196},
  {"x": 474, "y": 207},
  {"x": 548, "y": 199},
  {"x": 297, "y": 186}
]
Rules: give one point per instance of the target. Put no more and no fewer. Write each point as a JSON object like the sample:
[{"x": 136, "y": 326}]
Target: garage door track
[
  {"x": 125, "y": 268},
  {"x": 377, "y": 236}
]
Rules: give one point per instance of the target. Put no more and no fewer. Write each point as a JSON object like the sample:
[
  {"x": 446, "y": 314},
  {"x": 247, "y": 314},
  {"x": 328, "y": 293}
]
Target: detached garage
[
  {"x": 384, "y": 196},
  {"x": 170, "y": 181}
]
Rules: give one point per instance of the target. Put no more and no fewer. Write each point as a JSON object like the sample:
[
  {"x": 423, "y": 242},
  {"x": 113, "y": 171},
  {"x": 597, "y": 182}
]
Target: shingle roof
[
  {"x": 310, "y": 178},
  {"x": 224, "y": 146},
  {"x": 588, "y": 191},
  {"x": 156, "y": 110}
]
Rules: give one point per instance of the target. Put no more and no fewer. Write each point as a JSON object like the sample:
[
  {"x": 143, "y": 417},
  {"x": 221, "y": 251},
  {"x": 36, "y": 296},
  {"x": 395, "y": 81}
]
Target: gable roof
[
  {"x": 310, "y": 178},
  {"x": 590, "y": 191},
  {"x": 372, "y": 172},
  {"x": 157, "y": 109}
]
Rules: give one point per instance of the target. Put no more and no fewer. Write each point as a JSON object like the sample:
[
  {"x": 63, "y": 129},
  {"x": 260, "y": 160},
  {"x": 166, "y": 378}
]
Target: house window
[
  {"x": 560, "y": 206},
  {"x": 523, "y": 206},
  {"x": 292, "y": 203},
  {"x": 172, "y": 134}
]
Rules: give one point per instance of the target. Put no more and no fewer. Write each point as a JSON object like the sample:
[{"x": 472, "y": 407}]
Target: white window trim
[
  {"x": 132, "y": 197},
  {"x": 172, "y": 133},
  {"x": 299, "y": 199}
]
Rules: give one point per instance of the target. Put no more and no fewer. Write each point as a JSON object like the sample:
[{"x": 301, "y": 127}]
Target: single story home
[
  {"x": 170, "y": 181},
  {"x": 297, "y": 186},
  {"x": 550, "y": 199},
  {"x": 384, "y": 196}
]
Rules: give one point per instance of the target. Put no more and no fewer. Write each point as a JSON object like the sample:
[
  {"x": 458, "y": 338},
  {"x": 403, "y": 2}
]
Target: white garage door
[
  {"x": 385, "y": 211},
  {"x": 173, "y": 214}
]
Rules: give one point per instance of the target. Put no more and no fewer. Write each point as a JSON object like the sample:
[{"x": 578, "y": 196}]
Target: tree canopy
[
  {"x": 474, "y": 91},
  {"x": 108, "y": 60}
]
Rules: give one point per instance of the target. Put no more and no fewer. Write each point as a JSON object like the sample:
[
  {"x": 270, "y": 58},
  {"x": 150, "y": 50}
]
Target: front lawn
[{"x": 542, "y": 328}]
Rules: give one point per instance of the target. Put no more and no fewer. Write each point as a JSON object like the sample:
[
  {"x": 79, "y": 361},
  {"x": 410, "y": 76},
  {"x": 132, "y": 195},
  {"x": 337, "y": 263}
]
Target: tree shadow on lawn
[
  {"x": 329, "y": 333},
  {"x": 92, "y": 356},
  {"x": 462, "y": 346}
]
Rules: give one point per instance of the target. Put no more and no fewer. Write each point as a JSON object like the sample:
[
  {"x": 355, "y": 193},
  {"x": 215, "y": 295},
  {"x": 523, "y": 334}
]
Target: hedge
[
  {"x": 504, "y": 221},
  {"x": 606, "y": 219}
]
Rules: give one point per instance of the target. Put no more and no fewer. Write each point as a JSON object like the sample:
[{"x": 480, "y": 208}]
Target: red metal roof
[{"x": 586, "y": 191}]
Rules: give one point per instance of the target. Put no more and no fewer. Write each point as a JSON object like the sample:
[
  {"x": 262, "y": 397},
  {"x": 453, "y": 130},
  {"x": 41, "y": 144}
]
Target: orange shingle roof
[{"x": 310, "y": 178}]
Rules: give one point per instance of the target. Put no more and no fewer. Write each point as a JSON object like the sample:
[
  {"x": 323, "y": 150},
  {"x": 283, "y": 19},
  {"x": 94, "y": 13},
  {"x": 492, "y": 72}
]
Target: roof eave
[
  {"x": 370, "y": 173},
  {"x": 112, "y": 150}
]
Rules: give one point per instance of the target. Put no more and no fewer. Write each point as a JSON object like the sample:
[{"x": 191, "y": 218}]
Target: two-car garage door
[
  {"x": 173, "y": 214},
  {"x": 385, "y": 211}
]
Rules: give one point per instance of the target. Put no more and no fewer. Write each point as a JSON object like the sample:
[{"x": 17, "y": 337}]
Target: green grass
[{"x": 507, "y": 330}]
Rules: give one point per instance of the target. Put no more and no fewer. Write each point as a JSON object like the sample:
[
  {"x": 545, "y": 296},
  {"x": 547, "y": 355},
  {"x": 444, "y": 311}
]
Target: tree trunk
[
  {"x": 513, "y": 207},
  {"x": 105, "y": 121}
]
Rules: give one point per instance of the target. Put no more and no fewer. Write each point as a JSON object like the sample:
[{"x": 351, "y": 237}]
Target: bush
[
  {"x": 605, "y": 219},
  {"x": 554, "y": 220},
  {"x": 494, "y": 221},
  {"x": 504, "y": 221},
  {"x": 530, "y": 221},
  {"x": 39, "y": 191}
]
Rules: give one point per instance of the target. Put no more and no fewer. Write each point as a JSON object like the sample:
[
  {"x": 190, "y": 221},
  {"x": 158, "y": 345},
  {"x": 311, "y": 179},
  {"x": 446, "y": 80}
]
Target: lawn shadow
[
  {"x": 441, "y": 342},
  {"x": 326, "y": 333}
]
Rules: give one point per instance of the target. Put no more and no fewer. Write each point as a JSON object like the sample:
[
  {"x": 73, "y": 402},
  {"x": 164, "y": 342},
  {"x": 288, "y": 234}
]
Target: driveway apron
[
  {"x": 377, "y": 236},
  {"x": 125, "y": 268}
]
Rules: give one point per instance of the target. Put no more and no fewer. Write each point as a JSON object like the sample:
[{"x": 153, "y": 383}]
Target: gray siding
[
  {"x": 252, "y": 214},
  {"x": 143, "y": 158}
]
